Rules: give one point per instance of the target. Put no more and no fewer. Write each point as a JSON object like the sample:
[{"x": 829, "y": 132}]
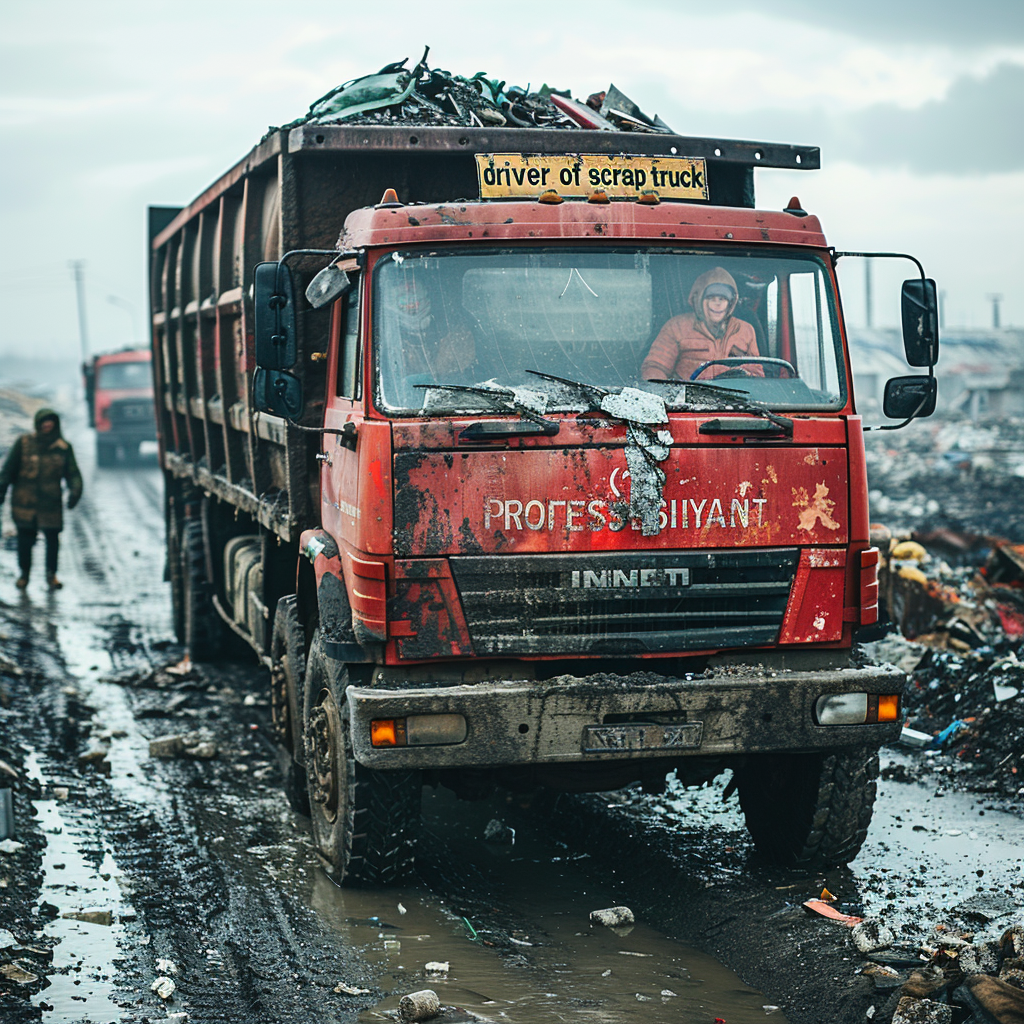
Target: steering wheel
[{"x": 736, "y": 364}]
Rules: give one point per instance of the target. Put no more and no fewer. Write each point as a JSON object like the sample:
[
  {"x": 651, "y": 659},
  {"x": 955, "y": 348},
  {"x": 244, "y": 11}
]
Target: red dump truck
[
  {"x": 119, "y": 393},
  {"x": 457, "y": 437}
]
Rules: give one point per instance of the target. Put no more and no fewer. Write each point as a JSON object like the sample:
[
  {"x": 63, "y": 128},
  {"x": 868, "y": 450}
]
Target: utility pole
[
  {"x": 78, "y": 270},
  {"x": 995, "y": 300},
  {"x": 867, "y": 294}
]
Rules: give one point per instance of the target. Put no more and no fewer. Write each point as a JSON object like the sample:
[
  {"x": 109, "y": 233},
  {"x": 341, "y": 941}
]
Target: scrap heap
[
  {"x": 966, "y": 660},
  {"x": 396, "y": 95}
]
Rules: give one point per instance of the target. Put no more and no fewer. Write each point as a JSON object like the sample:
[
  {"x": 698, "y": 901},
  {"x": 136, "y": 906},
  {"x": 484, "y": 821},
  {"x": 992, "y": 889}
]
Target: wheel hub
[{"x": 324, "y": 749}]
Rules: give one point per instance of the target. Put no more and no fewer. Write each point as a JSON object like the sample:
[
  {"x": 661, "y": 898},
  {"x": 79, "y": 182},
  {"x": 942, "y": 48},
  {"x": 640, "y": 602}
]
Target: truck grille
[
  {"x": 131, "y": 413},
  {"x": 623, "y": 604}
]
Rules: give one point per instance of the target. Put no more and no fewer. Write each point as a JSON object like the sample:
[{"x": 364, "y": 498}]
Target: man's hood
[
  {"x": 716, "y": 275},
  {"x": 47, "y": 414}
]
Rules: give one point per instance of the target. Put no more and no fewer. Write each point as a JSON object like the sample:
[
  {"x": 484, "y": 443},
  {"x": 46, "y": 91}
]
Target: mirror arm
[
  {"x": 891, "y": 256},
  {"x": 913, "y": 415},
  {"x": 884, "y": 255}
]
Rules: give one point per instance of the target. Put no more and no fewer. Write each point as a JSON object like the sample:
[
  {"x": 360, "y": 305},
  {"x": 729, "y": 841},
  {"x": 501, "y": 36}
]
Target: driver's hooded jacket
[
  {"x": 686, "y": 341},
  {"x": 35, "y": 467}
]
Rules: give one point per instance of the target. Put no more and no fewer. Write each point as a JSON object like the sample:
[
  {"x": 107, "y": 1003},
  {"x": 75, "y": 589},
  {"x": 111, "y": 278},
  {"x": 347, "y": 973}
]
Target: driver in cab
[{"x": 709, "y": 332}]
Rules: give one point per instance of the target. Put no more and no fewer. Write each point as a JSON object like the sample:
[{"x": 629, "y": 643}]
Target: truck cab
[
  {"x": 584, "y": 502},
  {"x": 119, "y": 393}
]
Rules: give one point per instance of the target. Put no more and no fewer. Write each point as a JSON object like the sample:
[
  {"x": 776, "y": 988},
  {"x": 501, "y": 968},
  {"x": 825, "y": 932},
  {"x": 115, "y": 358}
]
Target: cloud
[
  {"x": 976, "y": 126},
  {"x": 949, "y": 22}
]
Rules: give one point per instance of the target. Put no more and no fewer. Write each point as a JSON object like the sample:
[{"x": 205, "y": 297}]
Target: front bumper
[
  {"x": 133, "y": 435},
  {"x": 531, "y": 723}
]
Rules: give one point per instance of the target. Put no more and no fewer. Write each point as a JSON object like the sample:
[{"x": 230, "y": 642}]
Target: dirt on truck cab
[{"x": 523, "y": 458}]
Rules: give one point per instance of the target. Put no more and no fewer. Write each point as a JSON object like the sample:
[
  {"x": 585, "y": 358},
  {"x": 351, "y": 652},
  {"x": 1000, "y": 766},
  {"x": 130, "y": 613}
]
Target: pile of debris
[
  {"x": 949, "y": 475},
  {"x": 16, "y": 412},
  {"x": 396, "y": 95},
  {"x": 961, "y": 970},
  {"x": 966, "y": 658}
]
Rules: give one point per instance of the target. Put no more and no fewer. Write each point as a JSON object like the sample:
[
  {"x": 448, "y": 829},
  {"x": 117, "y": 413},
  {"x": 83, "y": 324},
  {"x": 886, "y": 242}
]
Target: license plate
[{"x": 642, "y": 736}]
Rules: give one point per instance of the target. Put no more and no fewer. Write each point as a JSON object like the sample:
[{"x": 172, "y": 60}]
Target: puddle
[
  {"x": 560, "y": 968},
  {"x": 79, "y": 876},
  {"x": 937, "y": 849}
]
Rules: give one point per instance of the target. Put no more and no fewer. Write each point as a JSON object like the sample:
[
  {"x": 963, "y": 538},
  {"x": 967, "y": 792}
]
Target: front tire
[
  {"x": 809, "y": 809},
  {"x": 364, "y": 822},
  {"x": 106, "y": 454}
]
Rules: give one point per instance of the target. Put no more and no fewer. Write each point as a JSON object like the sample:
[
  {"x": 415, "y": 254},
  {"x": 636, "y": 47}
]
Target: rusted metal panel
[
  {"x": 815, "y": 612},
  {"x": 426, "y": 615},
  {"x": 268, "y": 511},
  {"x": 454, "y": 139},
  {"x": 576, "y": 220},
  {"x": 566, "y": 499}
]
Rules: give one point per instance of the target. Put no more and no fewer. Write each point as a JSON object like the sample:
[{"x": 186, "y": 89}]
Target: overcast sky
[{"x": 110, "y": 106}]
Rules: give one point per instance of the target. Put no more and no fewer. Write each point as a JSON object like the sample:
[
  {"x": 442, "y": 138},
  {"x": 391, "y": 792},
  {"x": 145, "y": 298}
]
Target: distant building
[{"x": 980, "y": 371}]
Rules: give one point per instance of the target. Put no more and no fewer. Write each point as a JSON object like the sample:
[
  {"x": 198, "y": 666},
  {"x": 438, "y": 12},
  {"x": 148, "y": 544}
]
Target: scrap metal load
[{"x": 425, "y": 96}]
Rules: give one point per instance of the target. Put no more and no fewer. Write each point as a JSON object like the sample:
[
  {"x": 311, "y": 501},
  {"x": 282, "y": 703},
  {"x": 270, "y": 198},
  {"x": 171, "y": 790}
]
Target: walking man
[{"x": 35, "y": 467}]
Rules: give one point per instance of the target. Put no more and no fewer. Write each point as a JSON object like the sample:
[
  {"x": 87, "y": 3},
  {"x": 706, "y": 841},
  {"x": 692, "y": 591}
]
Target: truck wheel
[
  {"x": 287, "y": 683},
  {"x": 809, "y": 809},
  {"x": 202, "y": 626},
  {"x": 106, "y": 453},
  {"x": 174, "y": 574},
  {"x": 364, "y": 822}
]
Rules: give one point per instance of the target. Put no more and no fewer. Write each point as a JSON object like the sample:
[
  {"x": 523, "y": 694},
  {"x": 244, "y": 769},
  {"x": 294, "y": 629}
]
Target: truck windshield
[
  {"x": 761, "y": 322},
  {"x": 124, "y": 375}
]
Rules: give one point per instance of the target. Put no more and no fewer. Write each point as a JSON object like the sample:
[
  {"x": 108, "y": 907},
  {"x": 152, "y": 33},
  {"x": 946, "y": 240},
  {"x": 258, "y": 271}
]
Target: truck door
[{"x": 339, "y": 477}]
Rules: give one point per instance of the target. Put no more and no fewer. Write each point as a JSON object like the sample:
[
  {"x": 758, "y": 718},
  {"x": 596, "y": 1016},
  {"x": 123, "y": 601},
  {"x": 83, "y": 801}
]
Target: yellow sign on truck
[{"x": 619, "y": 176}]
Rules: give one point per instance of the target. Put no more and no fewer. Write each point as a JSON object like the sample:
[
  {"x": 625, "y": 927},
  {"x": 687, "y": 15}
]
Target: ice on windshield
[{"x": 760, "y": 323}]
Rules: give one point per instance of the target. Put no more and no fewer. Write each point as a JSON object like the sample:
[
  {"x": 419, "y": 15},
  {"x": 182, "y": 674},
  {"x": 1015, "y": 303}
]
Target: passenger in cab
[
  {"x": 435, "y": 347},
  {"x": 710, "y": 331}
]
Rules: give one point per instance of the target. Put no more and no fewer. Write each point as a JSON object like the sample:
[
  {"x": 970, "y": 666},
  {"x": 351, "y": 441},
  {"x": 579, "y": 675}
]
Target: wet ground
[{"x": 196, "y": 872}]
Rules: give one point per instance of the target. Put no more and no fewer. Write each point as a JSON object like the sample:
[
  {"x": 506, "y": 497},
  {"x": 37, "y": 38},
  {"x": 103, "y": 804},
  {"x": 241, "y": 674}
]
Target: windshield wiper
[
  {"x": 591, "y": 393},
  {"x": 736, "y": 398},
  {"x": 512, "y": 399}
]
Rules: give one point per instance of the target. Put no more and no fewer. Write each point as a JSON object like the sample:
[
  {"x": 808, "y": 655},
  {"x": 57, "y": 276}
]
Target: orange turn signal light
[
  {"x": 649, "y": 198},
  {"x": 598, "y": 197},
  {"x": 888, "y": 707},
  {"x": 385, "y": 732},
  {"x": 550, "y": 196},
  {"x": 390, "y": 198}
]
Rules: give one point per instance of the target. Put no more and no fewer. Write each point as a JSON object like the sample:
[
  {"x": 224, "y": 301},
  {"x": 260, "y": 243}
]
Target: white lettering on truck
[{"x": 512, "y": 515}]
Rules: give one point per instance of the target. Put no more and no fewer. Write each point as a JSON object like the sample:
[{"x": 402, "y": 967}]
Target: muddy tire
[
  {"x": 364, "y": 822},
  {"x": 287, "y": 687},
  {"x": 203, "y": 630},
  {"x": 809, "y": 809},
  {"x": 106, "y": 454},
  {"x": 174, "y": 574}
]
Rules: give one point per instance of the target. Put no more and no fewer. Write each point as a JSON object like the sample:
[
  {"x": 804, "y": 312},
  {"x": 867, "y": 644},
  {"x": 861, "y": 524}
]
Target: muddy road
[{"x": 193, "y": 876}]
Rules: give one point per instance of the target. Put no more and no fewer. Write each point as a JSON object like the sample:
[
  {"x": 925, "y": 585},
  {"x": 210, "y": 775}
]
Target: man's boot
[
  {"x": 55, "y": 584},
  {"x": 993, "y": 1001},
  {"x": 22, "y": 582}
]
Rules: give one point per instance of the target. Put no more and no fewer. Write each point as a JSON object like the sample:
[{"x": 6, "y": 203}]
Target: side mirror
[
  {"x": 909, "y": 397},
  {"x": 331, "y": 283},
  {"x": 277, "y": 392},
  {"x": 920, "y": 322},
  {"x": 274, "y": 316}
]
